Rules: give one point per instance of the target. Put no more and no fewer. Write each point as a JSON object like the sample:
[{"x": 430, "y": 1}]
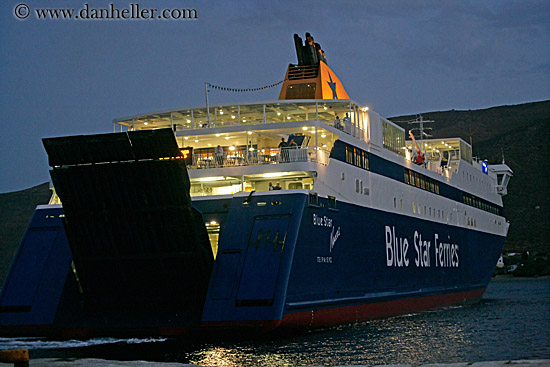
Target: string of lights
[{"x": 241, "y": 90}]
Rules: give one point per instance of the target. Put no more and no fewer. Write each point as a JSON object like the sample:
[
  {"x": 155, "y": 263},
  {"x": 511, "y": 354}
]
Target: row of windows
[
  {"x": 360, "y": 158},
  {"x": 357, "y": 157},
  {"x": 419, "y": 180},
  {"x": 476, "y": 202},
  {"x": 428, "y": 211}
]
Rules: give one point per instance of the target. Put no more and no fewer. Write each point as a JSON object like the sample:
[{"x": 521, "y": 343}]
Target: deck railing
[{"x": 268, "y": 156}]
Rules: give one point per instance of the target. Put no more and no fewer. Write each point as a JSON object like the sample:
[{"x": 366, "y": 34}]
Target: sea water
[{"x": 512, "y": 321}]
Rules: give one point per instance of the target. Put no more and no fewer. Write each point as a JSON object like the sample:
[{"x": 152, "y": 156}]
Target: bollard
[{"x": 19, "y": 357}]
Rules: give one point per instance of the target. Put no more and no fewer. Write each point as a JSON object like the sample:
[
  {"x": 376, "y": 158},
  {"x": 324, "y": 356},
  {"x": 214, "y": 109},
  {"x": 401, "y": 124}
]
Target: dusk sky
[{"x": 67, "y": 77}]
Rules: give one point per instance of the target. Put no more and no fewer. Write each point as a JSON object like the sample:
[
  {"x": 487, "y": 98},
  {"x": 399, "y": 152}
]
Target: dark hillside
[
  {"x": 522, "y": 133},
  {"x": 16, "y": 209}
]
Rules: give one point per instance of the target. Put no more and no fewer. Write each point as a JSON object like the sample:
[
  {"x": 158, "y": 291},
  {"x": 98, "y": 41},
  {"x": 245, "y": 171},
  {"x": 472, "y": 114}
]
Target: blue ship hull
[{"x": 286, "y": 260}]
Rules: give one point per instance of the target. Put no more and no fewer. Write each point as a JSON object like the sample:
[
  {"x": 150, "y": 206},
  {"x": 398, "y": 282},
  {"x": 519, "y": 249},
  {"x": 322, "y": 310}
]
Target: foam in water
[{"x": 41, "y": 343}]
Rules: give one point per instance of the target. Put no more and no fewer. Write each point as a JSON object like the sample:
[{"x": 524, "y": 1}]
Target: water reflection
[
  {"x": 237, "y": 357},
  {"x": 512, "y": 322}
]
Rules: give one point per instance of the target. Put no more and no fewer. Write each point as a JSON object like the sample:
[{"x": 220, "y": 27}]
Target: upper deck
[{"x": 249, "y": 134}]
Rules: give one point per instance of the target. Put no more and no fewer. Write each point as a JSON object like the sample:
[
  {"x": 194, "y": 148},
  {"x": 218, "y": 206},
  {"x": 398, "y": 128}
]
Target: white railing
[{"x": 268, "y": 156}]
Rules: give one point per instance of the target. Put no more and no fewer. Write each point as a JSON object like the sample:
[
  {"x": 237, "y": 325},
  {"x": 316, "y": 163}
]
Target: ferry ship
[{"x": 304, "y": 212}]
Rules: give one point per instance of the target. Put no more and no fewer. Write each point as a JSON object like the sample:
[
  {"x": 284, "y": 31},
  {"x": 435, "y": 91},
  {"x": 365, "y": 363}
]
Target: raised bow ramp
[{"x": 140, "y": 251}]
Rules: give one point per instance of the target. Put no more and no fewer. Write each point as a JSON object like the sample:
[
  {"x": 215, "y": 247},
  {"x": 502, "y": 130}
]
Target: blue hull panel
[
  {"x": 281, "y": 262},
  {"x": 347, "y": 256}
]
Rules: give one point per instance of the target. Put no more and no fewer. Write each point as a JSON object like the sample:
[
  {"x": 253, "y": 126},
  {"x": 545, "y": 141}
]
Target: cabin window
[
  {"x": 357, "y": 185},
  {"x": 395, "y": 202},
  {"x": 313, "y": 199},
  {"x": 331, "y": 201},
  {"x": 393, "y": 137},
  {"x": 414, "y": 207},
  {"x": 365, "y": 160}
]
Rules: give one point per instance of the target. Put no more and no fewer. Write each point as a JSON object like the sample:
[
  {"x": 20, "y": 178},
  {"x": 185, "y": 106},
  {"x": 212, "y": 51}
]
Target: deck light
[
  {"x": 278, "y": 114},
  {"x": 288, "y": 117},
  {"x": 304, "y": 128},
  {"x": 232, "y": 147},
  {"x": 273, "y": 174},
  {"x": 250, "y": 133},
  {"x": 221, "y": 112},
  {"x": 188, "y": 121},
  {"x": 232, "y": 116},
  {"x": 217, "y": 135},
  {"x": 196, "y": 140},
  {"x": 186, "y": 137},
  {"x": 215, "y": 178},
  {"x": 145, "y": 123},
  {"x": 227, "y": 138},
  {"x": 323, "y": 135}
]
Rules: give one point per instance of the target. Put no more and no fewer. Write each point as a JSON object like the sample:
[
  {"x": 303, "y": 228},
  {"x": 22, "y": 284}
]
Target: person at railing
[
  {"x": 291, "y": 153},
  {"x": 338, "y": 123},
  {"x": 277, "y": 187},
  {"x": 444, "y": 160},
  {"x": 271, "y": 187},
  {"x": 347, "y": 120},
  {"x": 218, "y": 154},
  {"x": 283, "y": 150}
]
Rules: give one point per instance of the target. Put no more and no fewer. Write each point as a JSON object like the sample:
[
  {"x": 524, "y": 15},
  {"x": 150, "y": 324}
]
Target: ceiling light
[
  {"x": 196, "y": 140},
  {"x": 227, "y": 138},
  {"x": 304, "y": 128},
  {"x": 323, "y": 135},
  {"x": 216, "y": 178},
  {"x": 232, "y": 147},
  {"x": 250, "y": 133},
  {"x": 186, "y": 137},
  {"x": 273, "y": 174},
  {"x": 217, "y": 135},
  {"x": 145, "y": 123}
]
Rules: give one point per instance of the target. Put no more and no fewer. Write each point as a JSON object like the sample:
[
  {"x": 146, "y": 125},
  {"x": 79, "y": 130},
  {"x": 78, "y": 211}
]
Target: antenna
[{"x": 420, "y": 121}]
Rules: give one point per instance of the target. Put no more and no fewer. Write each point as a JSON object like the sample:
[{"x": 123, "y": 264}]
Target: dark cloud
[{"x": 71, "y": 77}]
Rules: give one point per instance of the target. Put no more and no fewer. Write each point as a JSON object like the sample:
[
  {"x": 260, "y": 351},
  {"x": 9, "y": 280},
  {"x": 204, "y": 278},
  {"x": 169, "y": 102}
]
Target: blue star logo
[{"x": 332, "y": 86}]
